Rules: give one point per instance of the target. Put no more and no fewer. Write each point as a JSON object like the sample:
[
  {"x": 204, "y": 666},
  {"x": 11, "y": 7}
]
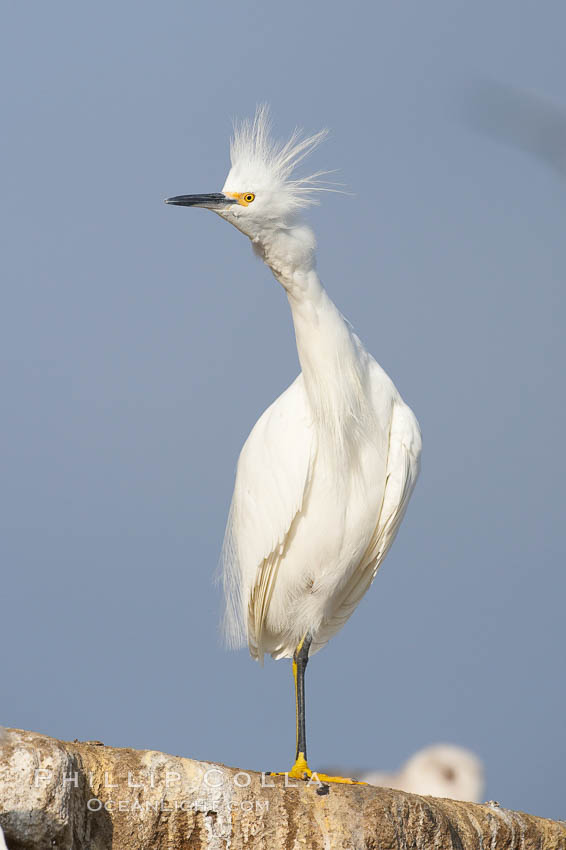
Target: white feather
[{"x": 256, "y": 158}]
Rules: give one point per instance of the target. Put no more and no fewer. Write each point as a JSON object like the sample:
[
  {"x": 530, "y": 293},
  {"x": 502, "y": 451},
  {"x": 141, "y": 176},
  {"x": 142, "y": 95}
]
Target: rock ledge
[{"x": 85, "y": 796}]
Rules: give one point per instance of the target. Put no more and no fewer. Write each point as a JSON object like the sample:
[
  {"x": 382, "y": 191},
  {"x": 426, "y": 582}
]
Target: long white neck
[{"x": 333, "y": 361}]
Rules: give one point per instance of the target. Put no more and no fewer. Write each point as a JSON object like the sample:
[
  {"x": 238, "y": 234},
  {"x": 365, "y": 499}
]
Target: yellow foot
[
  {"x": 301, "y": 770},
  {"x": 323, "y": 777}
]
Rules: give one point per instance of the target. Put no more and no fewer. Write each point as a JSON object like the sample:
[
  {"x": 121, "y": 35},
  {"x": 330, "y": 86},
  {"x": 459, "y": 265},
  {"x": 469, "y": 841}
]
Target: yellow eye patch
[{"x": 243, "y": 198}]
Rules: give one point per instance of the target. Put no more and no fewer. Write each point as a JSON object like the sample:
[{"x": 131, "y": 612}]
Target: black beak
[{"x": 217, "y": 199}]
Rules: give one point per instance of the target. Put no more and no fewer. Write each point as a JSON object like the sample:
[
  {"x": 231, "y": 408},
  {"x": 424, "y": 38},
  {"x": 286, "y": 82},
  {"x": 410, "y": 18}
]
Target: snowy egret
[
  {"x": 441, "y": 770},
  {"x": 325, "y": 476}
]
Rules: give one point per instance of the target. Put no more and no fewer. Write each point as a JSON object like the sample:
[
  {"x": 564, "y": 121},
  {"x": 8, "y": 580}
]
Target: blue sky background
[{"x": 139, "y": 344}]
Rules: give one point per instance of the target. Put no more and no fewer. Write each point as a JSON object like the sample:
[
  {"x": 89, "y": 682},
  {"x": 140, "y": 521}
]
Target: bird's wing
[
  {"x": 401, "y": 476},
  {"x": 521, "y": 118},
  {"x": 272, "y": 479}
]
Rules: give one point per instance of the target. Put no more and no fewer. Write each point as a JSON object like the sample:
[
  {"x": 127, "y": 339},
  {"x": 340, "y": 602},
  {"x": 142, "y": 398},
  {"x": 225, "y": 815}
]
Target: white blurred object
[
  {"x": 441, "y": 770},
  {"x": 521, "y": 119}
]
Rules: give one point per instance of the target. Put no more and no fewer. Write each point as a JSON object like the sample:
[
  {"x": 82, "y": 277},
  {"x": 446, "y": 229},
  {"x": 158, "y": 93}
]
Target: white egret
[{"x": 325, "y": 476}]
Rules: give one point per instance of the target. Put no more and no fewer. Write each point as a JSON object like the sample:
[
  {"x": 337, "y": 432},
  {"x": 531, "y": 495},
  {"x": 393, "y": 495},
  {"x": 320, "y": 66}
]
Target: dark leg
[
  {"x": 300, "y": 769},
  {"x": 300, "y": 661}
]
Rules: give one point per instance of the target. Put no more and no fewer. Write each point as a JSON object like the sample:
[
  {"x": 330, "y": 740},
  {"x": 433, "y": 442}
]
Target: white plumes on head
[{"x": 261, "y": 162}]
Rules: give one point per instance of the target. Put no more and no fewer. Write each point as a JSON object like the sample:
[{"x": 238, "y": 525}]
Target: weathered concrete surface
[{"x": 85, "y": 796}]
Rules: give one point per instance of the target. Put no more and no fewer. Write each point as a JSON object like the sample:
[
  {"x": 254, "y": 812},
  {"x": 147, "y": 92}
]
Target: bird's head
[{"x": 260, "y": 195}]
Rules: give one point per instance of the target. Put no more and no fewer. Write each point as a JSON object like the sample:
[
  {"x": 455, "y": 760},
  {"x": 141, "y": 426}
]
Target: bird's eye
[{"x": 249, "y": 197}]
